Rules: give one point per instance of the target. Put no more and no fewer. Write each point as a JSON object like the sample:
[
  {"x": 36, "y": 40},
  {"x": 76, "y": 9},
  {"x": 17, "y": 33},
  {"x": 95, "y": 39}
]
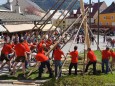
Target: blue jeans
[
  {"x": 58, "y": 65},
  {"x": 106, "y": 63}
]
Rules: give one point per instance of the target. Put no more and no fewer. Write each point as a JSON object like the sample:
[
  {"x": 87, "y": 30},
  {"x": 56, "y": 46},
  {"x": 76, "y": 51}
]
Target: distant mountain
[{"x": 47, "y": 4}]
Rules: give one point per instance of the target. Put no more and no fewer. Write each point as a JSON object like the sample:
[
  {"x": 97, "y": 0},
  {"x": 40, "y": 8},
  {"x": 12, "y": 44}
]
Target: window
[
  {"x": 104, "y": 17},
  {"x": 91, "y": 10}
]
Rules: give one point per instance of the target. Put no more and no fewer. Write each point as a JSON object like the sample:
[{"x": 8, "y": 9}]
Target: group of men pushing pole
[{"x": 20, "y": 51}]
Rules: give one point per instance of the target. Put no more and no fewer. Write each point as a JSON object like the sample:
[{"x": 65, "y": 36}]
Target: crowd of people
[{"x": 20, "y": 48}]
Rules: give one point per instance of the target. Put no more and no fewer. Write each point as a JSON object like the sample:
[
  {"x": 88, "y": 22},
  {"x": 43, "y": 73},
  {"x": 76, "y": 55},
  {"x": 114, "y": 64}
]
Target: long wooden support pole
[
  {"x": 59, "y": 40},
  {"x": 70, "y": 47},
  {"x": 43, "y": 25},
  {"x": 87, "y": 40},
  {"x": 59, "y": 18},
  {"x": 46, "y": 13}
]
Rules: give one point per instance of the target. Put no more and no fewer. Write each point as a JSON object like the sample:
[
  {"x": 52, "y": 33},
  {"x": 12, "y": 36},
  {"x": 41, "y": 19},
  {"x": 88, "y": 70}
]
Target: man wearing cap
[
  {"x": 92, "y": 60},
  {"x": 57, "y": 59},
  {"x": 105, "y": 60}
]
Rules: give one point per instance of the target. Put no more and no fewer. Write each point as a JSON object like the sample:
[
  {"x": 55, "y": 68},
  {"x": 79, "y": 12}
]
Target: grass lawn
[{"x": 86, "y": 80}]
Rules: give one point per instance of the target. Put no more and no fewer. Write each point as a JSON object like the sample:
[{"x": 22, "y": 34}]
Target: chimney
[
  {"x": 11, "y": 7},
  {"x": 17, "y": 7}
]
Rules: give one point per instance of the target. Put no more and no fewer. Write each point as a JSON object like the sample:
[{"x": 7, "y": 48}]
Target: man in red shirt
[
  {"x": 113, "y": 58},
  {"x": 26, "y": 45},
  {"x": 74, "y": 60},
  {"x": 106, "y": 54},
  {"x": 20, "y": 54},
  {"x": 57, "y": 59},
  {"x": 6, "y": 50},
  {"x": 92, "y": 60},
  {"x": 44, "y": 60}
]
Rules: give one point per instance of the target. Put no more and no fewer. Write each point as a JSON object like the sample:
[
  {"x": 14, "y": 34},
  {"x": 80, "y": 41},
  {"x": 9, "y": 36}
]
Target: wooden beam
[{"x": 87, "y": 40}]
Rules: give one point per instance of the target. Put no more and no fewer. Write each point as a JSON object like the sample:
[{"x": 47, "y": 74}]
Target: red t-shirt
[
  {"x": 32, "y": 46},
  {"x": 41, "y": 57},
  {"x": 40, "y": 47},
  {"x": 57, "y": 54},
  {"x": 26, "y": 47},
  {"x": 7, "y": 49},
  {"x": 20, "y": 49},
  {"x": 48, "y": 43},
  {"x": 106, "y": 54},
  {"x": 113, "y": 54},
  {"x": 74, "y": 58},
  {"x": 91, "y": 55}
]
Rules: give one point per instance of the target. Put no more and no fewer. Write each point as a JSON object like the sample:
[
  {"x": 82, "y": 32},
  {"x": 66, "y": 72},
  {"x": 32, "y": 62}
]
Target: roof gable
[
  {"x": 110, "y": 9},
  {"x": 94, "y": 7}
]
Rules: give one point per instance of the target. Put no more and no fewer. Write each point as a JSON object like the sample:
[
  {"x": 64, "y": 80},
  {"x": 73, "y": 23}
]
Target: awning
[
  {"x": 2, "y": 29},
  {"x": 26, "y": 27}
]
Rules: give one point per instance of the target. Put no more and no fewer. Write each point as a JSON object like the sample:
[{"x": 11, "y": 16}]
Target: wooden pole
[
  {"x": 87, "y": 40},
  {"x": 60, "y": 38},
  {"x": 63, "y": 34},
  {"x": 46, "y": 14},
  {"x": 70, "y": 47},
  {"x": 58, "y": 41},
  {"x": 43, "y": 25},
  {"x": 59, "y": 18}
]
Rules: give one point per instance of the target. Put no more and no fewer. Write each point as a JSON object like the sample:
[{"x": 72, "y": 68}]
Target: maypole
[{"x": 86, "y": 33}]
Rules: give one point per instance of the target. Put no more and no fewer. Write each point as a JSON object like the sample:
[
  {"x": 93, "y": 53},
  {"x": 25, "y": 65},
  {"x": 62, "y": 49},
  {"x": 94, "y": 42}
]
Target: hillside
[{"x": 47, "y": 4}]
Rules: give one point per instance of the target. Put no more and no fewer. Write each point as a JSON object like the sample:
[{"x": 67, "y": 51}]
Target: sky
[
  {"x": 2, "y": 1},
  {"x": 108, "y": 2}
]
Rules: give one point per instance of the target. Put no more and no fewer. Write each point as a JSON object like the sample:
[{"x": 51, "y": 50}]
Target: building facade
[
  {"x": 93, "y": 15},
  {"x": 107, "y": 17}
]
